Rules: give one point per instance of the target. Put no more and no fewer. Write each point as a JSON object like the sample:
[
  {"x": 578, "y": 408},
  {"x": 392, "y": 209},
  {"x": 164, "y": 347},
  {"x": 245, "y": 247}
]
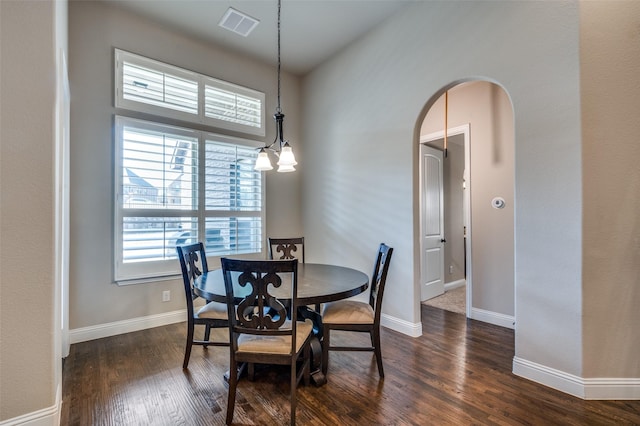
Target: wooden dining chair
[
  {"x": 352, "y": 315},
  {"x": 193, "y": 263},
  {"x": 286, "y": 248},
  {"x": 260, "y": 335}
]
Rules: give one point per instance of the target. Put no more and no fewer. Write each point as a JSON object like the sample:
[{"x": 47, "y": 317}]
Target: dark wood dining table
[{"x": 317, "y": 283}]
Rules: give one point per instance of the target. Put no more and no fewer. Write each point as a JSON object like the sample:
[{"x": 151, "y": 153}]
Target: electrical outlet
[
  {"x": 451, "y": 269},
  {"x": 166, "y": 296}
]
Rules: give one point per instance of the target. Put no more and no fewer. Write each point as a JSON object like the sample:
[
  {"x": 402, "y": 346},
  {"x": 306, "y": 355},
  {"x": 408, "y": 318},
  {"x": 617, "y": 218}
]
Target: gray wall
[
  {"x": 362, "y": 184},
  {"x": 610, "y": 61},
  {"x": 530, "y": 48},
  {"x": 30, "y": 367},
  {"x": 95, "y": 29},
  {"x": 487, "y": 109}
]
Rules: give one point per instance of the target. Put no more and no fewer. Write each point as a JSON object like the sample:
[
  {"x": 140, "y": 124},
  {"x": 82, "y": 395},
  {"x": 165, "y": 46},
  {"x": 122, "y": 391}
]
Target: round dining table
[{"x": 317, "y": 283}]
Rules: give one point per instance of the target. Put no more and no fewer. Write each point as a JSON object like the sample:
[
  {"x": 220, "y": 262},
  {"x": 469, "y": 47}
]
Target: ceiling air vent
[{"x": 238, "y": 22}]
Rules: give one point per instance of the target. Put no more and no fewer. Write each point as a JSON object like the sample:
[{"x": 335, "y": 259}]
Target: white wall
[
  {"x": 96, "y": 28},
  {"x": 362, "y": 112}
]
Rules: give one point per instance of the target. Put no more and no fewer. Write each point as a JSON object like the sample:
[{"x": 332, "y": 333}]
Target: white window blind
[
  {"x": 158, "y": 88},
  {"x": 233, "y": 107},
  {"x": 233, "y": 198},
  {"x": 159, "y": 168},
  {"x": 231, "y": 182},
  {"x": 166, "y": 195},
  {"x": 151, "y": 86}
]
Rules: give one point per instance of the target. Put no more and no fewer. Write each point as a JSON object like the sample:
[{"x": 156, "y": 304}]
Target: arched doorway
[{"x": 477, "y": 204}]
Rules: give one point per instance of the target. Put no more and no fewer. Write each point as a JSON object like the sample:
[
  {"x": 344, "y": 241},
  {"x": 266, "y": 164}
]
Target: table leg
[{"x": 317, "y": 376}]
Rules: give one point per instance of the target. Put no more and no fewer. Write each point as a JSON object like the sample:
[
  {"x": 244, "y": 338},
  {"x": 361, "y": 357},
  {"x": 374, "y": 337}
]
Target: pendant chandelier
[{"x": 279, "y": 147}]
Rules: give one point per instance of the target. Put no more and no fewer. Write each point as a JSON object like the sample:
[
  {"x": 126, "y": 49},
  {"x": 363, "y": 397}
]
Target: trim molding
[
  {"x": 84, "y": 334},
  {"x": 556, "y": 379},
  {"x": 494, "y": 318},
  {"x": 405, "y": 327},
  {"x": 454, "y": 284},
  {"x": 49, "y": 416},
  {"x": 126, "y": 326},
  {"x": 596, "y": 388},
  {"x": 612, "y": 388}
]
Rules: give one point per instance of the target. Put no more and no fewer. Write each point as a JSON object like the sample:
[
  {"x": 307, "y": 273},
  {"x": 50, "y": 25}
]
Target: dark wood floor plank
[{"x": 457, "y": 373}]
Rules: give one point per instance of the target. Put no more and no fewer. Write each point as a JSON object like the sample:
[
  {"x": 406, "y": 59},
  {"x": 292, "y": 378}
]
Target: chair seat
[
  {"x": 249, "y": 343},
  {"x": 347, "y": 312},
  {"x": 213, "y": 310}
]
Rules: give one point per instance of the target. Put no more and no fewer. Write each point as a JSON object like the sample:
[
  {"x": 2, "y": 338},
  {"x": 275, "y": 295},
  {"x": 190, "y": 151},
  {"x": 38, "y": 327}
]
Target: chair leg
[
  {"x": 187, "y": 349},
  {"x": 251, "y": 371},
  {"x": 207, "y": 334},
  {"x": 294, "y": 383},
  {"x": 378, "y": 351},
  {"x": 325, "y": 350},
  {"x": 233, "y": 382}
]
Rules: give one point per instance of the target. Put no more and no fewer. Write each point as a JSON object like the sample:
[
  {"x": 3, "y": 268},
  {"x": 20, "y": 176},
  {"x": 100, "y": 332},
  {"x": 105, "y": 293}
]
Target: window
[
  {"x": 145, "y": 85},
  {"x": 178, "y": 186}
]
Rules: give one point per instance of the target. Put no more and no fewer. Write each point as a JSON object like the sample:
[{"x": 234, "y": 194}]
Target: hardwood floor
[{"x": 457, "y": 373}]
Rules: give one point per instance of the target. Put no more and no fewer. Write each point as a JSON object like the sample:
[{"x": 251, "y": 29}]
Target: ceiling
[{"x": 311, "y": 30}]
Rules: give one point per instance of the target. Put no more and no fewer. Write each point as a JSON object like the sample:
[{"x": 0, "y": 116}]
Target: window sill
[{"x": 147, "y": 280}]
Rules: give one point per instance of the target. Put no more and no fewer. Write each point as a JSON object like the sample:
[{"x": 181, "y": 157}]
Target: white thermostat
[{"x": 497, "y": 203}]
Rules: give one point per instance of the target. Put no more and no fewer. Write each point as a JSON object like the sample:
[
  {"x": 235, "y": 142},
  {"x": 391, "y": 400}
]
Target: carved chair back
[
  {"x": 286, "y": 248},
  {"x": 193, "y": 263},
  {"x": 260, "y": 313}
]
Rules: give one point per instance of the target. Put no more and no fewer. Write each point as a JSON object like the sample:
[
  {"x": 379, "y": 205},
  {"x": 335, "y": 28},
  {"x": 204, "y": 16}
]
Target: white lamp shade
[
  {"x": 262, "y": 162},
  {"x": 286, "y": 168},
  {"x": 286, "y": 157}
]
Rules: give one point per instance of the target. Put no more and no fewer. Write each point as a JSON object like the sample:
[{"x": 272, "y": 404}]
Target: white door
[{"x": 432, "y": 226}]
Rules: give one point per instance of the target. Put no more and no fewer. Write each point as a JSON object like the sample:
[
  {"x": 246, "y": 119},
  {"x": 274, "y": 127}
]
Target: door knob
[{"x": 443, "y": 240}]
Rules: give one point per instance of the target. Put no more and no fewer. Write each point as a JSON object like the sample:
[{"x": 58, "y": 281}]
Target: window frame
[
  {"x": 167, "y": 268},
  {"x": 121, "y": 56}
]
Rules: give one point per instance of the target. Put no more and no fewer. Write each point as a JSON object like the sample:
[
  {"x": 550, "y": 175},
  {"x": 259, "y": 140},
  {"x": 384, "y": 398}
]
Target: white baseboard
[
  {"x": 612, "y": 388},
  {"x": 401, "y": 326},
  {"x": 493, "y": 318},
  {"x": 126, "y": 326},
  {"x": 136, "y": 324},
  {"x": 49, "y": 416},
  {"x": 454, "y": 284},
  {"x": 45, "y": 417},
  {"x": 599, "y": 388},
  {"x": 556, "y": 379}
]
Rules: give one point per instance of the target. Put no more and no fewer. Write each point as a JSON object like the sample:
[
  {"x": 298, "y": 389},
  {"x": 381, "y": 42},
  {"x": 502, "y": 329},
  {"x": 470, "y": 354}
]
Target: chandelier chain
[
  {"x": 286, "y": 159},
  {"x": 278, "y": 109}
]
